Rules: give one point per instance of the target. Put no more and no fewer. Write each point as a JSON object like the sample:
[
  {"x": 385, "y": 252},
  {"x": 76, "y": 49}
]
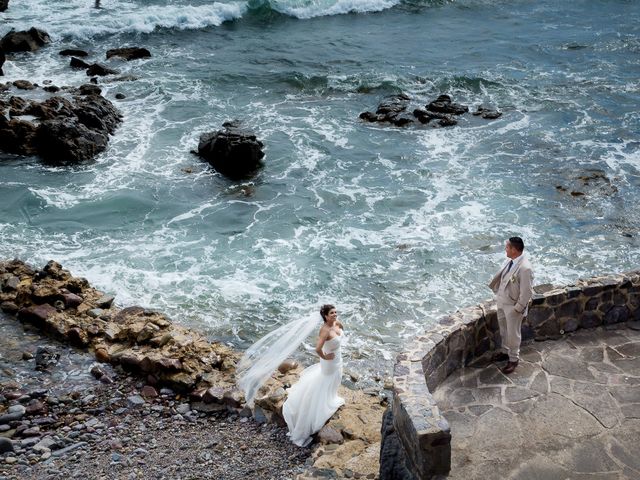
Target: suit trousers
[{"x": 510, "y": 325}]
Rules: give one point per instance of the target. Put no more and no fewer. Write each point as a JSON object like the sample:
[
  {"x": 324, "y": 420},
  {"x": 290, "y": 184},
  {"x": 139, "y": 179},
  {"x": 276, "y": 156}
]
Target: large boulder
[
  {"x": 234, "y": 152},
  {"x": 128, "y": 53},
  {"x": 24, "y": 41}
]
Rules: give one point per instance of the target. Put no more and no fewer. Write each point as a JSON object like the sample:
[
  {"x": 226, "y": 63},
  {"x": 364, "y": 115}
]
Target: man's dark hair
[{"x": 517, "y": 243}]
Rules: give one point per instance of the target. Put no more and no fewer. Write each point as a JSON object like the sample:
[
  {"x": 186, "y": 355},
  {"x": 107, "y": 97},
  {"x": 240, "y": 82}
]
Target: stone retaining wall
[{"x": 416, "y": 437}]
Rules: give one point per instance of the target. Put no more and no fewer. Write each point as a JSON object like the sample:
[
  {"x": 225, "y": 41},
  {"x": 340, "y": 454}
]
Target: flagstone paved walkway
[{"x": 571, "y": 410}]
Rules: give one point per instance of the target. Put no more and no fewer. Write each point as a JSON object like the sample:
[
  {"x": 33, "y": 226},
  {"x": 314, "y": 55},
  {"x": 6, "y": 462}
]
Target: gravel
[{"x": 100, "y": 433}]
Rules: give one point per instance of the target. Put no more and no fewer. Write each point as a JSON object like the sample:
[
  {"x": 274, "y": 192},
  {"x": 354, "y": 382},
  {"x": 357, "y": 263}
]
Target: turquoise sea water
[{"x": 396, "y": 226}]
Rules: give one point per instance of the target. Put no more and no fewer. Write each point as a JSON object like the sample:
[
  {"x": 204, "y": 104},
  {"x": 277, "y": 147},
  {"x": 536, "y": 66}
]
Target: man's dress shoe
[{"x": 510, "y": 367}]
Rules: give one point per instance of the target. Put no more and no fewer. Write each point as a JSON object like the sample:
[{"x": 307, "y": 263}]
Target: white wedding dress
[{"x": 314, "y": 398}]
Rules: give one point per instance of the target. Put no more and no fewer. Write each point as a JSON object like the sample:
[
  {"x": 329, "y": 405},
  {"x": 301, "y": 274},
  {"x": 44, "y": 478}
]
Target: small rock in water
[
  {"x": 46, "y": 357},
  {"x": 27, "y": 355}
]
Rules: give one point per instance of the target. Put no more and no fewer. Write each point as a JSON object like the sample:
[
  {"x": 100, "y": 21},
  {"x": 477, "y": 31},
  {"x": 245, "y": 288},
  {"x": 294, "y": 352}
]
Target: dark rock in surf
[
  {"x": 24, "y": 41},
  {"x": 393, "y": 109},
  {"x": 77, "y": 63},
  {"x": 46, "y": 357},
  {"x": 72, "y": 52},
  {"x": 24, "y": 85},
  {"x": 4, "y": 4},
  {"x": 443, "y": 104},
  {"x": 100, "y": 70},
  {"x": 66, "y": 131},
  {"x": 234, "y": 152},
  {"x": 390, "y": 110},
  {"x": 129, "y": 53},
  {"x": 89, "y": 89},
  {"x": 393, "y": 105},
  {"x": 3, "y": 59}
]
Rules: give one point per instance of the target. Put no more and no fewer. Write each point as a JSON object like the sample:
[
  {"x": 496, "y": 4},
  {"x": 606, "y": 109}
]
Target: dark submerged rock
[
  {"x": 72, "y": 52},
  {"x": 393, "y": 110},
  {"x": 234, "y": 152},
  {"x": 100, "y": 70},
  {"x": 46, "y": 357},
  {"x": 89, "y": 89},
  {"x": 129, "y": 53},
  {"x": 393, "y": 105},
  {"x": 443, "y": 104},
  {"x": 24, "y": 41},
  {"x": 77, "y": 63},
  {"x": 3, "y": 58}
]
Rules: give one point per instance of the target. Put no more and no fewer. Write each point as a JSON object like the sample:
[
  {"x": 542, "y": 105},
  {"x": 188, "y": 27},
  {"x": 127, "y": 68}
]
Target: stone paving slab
[{"x": 571, "y": 410}]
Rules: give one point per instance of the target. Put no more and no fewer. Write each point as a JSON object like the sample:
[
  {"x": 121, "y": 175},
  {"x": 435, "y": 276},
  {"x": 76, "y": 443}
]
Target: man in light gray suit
[{"x": 513, "y": 286}]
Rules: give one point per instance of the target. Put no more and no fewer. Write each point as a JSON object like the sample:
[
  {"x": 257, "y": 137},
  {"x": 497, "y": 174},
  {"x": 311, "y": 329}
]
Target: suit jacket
[{"x": 516, "y": 288}]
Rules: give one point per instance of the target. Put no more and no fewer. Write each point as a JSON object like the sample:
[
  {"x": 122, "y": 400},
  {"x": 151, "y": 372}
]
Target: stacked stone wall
[{"x": 421, "y": 433}]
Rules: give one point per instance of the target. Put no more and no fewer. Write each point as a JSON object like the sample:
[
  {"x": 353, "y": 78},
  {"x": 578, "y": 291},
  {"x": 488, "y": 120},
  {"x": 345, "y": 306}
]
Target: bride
[{"x": 314, "y": 399}]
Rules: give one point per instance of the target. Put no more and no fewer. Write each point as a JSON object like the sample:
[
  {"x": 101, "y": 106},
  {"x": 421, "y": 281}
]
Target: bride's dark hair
[{"x": 324, "y": 311}]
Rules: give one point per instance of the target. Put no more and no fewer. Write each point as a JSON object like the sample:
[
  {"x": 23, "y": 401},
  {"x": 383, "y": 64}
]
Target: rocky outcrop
[
  {"x": 129, "y": 53},
  {"x": 67, "y": 130},
  {"x": 441, "y": 112},
  {"x": 24, "y": 41},
  {"x": 139, "y": 340},
  {"x": 234, "y": 152}
]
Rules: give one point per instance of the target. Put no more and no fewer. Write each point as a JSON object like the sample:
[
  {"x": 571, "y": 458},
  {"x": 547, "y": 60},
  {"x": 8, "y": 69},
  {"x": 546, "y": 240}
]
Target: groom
[{"x": 513, "y": 288}]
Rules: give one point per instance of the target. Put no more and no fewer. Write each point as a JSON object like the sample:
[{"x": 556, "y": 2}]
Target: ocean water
[{"x": 395, "y": 226}]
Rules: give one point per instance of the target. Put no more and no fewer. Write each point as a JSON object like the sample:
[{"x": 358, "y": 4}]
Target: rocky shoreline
[
  {"x": 156, "y": 377},
  {"x": 123, "y": 428}
]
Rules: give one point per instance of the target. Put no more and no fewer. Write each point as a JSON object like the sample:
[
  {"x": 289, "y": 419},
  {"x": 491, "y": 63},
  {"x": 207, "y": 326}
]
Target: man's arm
[{"x": 526, "y": 289}]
